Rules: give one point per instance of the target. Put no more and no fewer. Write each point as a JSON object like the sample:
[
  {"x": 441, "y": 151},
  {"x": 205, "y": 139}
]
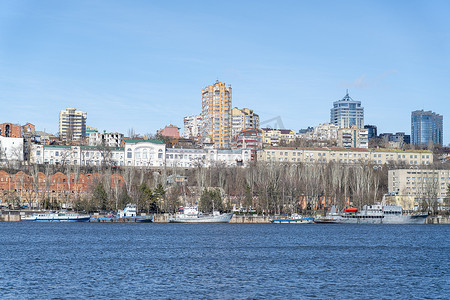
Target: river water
[{"x": 223, "y": 261}]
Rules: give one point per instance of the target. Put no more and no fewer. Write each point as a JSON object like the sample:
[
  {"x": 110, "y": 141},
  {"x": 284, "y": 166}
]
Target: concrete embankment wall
[
  {"x": 438, "y": 220},
  {"x": 9, "y": 218},
  {"x": 249, "y": 219},
  {"x": 236, "y": 219}
]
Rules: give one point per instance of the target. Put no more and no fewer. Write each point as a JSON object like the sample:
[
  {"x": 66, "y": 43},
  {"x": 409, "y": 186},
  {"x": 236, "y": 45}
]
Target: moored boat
[
  {"x": 192, "y": 215},
  {"x": 291, "y": 219},
  {"x": 57, "y": 217},
  {"x": 129, "y": 213},
  {"x": 372, "y": 214}
]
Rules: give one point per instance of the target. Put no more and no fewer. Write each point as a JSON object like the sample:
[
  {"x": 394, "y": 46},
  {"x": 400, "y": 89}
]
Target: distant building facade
[
  {"x": 189, "y": 158},
  {"x": 170, "y": 131},
  {"x": 249, "y": 138},
  {"x": 90, "y": 129},
  {"x": 426, "y": 127},
  {"x": 408, "y": 187},
  {"x": 113, "y": 139},
  {"x": 138, "y": 153},
  {"x": 216, "y": 115},
  {"x": 322, "y": 132},
  {"x": 347, "y": 112},
  {"x": 72, "y": 125},
  {"x": 192, "y": 127},
  {"x": 76, "y": 155},
  {"x": 10, "y": 130},
  {"x": 242, "y": 119},
  {"x": 353, "y": 137},
  {"x": 15, "y": 130},
  {"x": 371, "y": 131},
  {"x": 345, "y": 156},
  {"x": 273, "y": 137},
  {"x": 397, "y": 140}
]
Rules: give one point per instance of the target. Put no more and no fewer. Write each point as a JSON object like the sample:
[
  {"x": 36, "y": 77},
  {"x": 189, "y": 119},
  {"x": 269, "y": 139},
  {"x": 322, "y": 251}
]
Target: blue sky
[{"x": 142, "y": 64}]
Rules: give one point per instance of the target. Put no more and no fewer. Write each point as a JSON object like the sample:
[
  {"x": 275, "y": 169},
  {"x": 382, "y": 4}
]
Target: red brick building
[
  {"x": 27, "y": 188},
  {"x": 10, "y": 130}
]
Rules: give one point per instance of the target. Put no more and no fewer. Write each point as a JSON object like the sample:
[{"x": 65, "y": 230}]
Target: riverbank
[{"x": 15, "y": 216}]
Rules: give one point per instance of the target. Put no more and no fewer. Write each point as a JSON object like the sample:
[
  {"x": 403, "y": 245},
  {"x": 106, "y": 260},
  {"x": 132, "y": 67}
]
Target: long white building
[
  {"x": 343, "y": 155},
  {"x": 138, "y": 153}
]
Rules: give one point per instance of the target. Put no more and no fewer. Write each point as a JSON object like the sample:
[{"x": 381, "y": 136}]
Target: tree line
[{"x": 265, "y": 187}]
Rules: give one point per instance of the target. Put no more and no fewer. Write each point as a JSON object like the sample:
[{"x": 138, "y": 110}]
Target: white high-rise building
[
  {"x": 72, "y": 124},
  {"x": 347, "y": 112}
]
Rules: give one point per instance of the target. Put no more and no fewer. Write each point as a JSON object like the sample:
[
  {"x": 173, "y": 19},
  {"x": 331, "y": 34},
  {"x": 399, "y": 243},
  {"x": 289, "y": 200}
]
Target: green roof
[
  {"x": 99, "y": 148},
  {"x": 57, "y": 146},
  {"x": 144, "y": 141},
  {"x": 81, "y": 147}
]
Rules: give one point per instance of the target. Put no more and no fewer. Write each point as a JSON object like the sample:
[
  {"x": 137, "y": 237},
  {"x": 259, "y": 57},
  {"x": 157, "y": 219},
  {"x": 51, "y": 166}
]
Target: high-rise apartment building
[
  {"x": 426, "y": 127},
  {"x": 216, "y": 115},
  {"x": 72, "y": 124},
  {"x": 353, "y": 137},
  {"x": 242, "y": 119},
  {"x": 347, "y": 112}
]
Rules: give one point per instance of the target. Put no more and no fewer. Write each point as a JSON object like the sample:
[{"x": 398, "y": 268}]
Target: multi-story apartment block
[
  {"x": 322, "y": 132},
  {"x": 345, "y": 156},
  {"x": 426, "y": 127},
  {"x": 407, "y": 187},
  {"x": 192, "y": 127},
  {"x": 353, "y": 137},
  {"x": 216, "y": 115},
  {"x": 72, "y": 125},
  {"x": 242, "y": 119},
  {"x": 276, "y": 136},
  {"x": 113, "y": 139},
  {"x": 249, "y": 139},
  {"x": 347, "y": 112}
]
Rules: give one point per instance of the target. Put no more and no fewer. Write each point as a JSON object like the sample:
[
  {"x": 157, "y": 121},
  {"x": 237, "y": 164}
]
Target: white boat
[
  {"x": 291, "y": 219},
  {"x": 129, "y": 213},
  {"x": 57, "y": 217},
  {"x": 192, "y": 215},
  {"x": 372, "y": 214}
]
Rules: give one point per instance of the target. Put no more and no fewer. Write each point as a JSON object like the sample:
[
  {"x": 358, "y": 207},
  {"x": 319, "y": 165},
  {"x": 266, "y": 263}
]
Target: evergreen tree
[
  {"x": 148, "y": 198},
  {"x": 124, "y": 198},
  {"x": 210, "y": 200},
  {"x": 248, "y": 197},
  {"x": 100, "y": 198}
]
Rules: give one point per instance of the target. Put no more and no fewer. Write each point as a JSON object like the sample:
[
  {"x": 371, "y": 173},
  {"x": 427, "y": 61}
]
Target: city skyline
[{"x": 143, "y": 65}]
